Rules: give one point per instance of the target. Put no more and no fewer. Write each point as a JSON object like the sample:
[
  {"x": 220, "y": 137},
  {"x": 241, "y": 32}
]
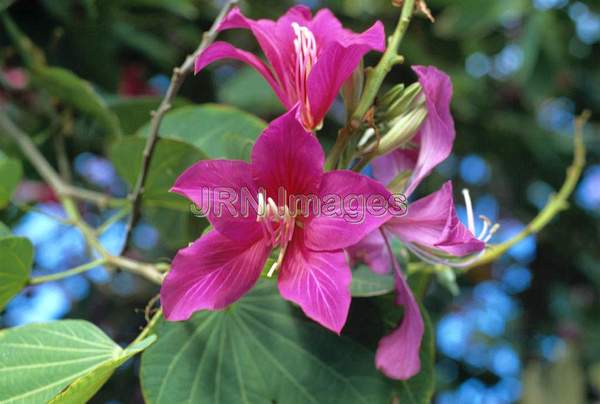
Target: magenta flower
[
  {"x": 431, "y": 224},
  {"x": 217, "y": 269},
  {"x": 308, "y": 58},
  {"x": 434, "y": 139}
]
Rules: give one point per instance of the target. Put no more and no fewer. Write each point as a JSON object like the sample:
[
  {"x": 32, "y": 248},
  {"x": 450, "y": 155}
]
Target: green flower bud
[{"x": 402, "y": 129}]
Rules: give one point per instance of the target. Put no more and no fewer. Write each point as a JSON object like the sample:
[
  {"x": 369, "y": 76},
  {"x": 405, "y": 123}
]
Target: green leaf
[
  {"x": 133, "y": 113},
  {"x": 4, "y": 230},
  {"x": 16, "y": 258},
  {"x": 39, "y": 361},
  {"x": 4, "y": 4},
  {"x": 257, "y": 351},
  {"x": 170, "y": 159},
  {"x": 249, "y": 91},
  {"x": 366, "y": 283},
  {"x": 420, "y": 388},
  {"x": 10, "y": 176},
  {"x": 183, "y": 8},
  {"x": 84, "y": 387},
  {"x": 77, "y": 93},
  {"x": 168, "y": 211},
  {"x": 149, "y": 45},
  {"x": 218, "y": 131}
]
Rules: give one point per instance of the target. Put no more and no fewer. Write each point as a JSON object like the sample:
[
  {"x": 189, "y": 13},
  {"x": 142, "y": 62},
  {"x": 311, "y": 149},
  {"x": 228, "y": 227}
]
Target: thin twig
[
  {"x": 47, "y": 172},
  {"x": 177, "y": 79},
  {"x": 149, "y": 327},
  {"x": 61, "y": 155},
  {"x": 70, "y": 272},
  {"x": 555, "y": 205},
  {"x": 66, "y": 194}
]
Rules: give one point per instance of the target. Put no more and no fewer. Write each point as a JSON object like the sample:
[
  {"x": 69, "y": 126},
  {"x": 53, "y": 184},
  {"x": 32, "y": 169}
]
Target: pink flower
[
  {"x": 434, "y": 139},
  {"x": 430, "y": 226},
  {"x": 308, "y": 58},
  {"x": 217, "y": 269}
]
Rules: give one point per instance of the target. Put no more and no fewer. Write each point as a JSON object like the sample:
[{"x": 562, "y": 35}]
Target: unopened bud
[
  {"x": 391, "y": 95},
  {"x": 402, "y": 130},
  {"x": 410, "y": 98},
  {"x": 352, "y": 89}
]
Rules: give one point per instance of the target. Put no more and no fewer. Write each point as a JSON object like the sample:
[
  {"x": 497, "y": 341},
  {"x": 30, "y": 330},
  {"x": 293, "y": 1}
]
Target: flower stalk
[
  {"x": 374, "y": 79},
  {"x": 556, "y": 204}
]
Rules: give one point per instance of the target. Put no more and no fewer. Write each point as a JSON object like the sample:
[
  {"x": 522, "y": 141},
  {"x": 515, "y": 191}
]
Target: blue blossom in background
[
  {"x": 587, "y": 195},
  {"x": 507, "y": 62},
  {"x": 478, "y": 64},
  {"x": 538, "y": 193},
  {"x": 557, "y": 115},
  {"x": 38, "y": 304},
  {"x": 549, "y": 4},
  {"x": 587, "y": 23},
  {"x": 474, "y": 170}
]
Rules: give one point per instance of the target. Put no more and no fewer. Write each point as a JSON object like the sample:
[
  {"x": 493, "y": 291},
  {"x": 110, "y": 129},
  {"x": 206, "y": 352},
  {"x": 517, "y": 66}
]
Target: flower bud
[
  {"x": 401, "y": 112},
  {"x": 402, "y": 129},
  {"x": 400, "y": 102}
]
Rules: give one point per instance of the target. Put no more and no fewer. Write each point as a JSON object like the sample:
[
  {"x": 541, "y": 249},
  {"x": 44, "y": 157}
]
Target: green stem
[
  {"x": 388, "y": 60},
  {"x": 114, "y": 218},
  {"x": 375, "y": 77},
  {"x": 555, "y": 205},
  {"x": 73, "y": 271},
  {"x": 149, "y": 327}
]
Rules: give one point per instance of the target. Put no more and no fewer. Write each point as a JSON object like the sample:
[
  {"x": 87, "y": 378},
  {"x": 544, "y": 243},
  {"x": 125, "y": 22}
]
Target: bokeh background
[{"x": 526, "y": 328}]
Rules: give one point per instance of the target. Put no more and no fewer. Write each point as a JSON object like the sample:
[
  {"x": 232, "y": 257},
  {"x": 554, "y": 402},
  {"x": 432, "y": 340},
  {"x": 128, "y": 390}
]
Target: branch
[
  {"x": 177, "y": 79},
  {"x": 64, "y": 274},
  {"x": 375, "y": 77},
  {"x": 47, "y": 172},
  {"x": 150, "y": 326},
  {"x": 66, "y": 193},
  {"x": 556, "y": 203},
  {"x": 390, "y": 58}
]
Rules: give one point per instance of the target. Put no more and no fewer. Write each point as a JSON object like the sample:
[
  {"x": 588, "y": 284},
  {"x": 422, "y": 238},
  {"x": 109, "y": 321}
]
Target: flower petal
[
  {"x": 437, "y": 133},
  {"x": 388, "y": 166},
  {"x": 225, "y": 191},
  {"x": 276, "y": 39},
  {"x": 346, "y": 214},
  {"x": 432, "y": 222},
  {"x": 317, "y": 281},
  {"x": 287, "y": 156},
  {"x": 222, "y": 50},
  {"x": 397, "y": 355},
  {"x": 372, "y": 251},
  {"x": 211, "y": 274},
  {"x": 335, "y": 64}
]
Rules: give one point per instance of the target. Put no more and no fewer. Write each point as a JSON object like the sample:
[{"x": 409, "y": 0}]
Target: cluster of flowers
[{"x": 310, "y": 59}]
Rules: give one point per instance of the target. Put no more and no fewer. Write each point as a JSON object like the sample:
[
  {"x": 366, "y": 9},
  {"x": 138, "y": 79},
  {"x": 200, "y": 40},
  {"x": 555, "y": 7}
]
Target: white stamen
[
  {"x": 493, "y": 230},
  {"x": 278, "y": 225},
  {"x": 469, "y": 207},
  {"x": 486, "y": 225},
  {"x": 272, "y": 270},
  {"x": 274, "y": 208},
  {"x": 305, "y": 46}
]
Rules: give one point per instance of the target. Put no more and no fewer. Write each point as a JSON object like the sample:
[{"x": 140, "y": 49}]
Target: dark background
[{"x": 521, "y": 69}]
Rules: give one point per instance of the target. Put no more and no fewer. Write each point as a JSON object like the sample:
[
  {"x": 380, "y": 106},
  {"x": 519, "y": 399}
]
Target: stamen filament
[{"x": 469, "y": 207}]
